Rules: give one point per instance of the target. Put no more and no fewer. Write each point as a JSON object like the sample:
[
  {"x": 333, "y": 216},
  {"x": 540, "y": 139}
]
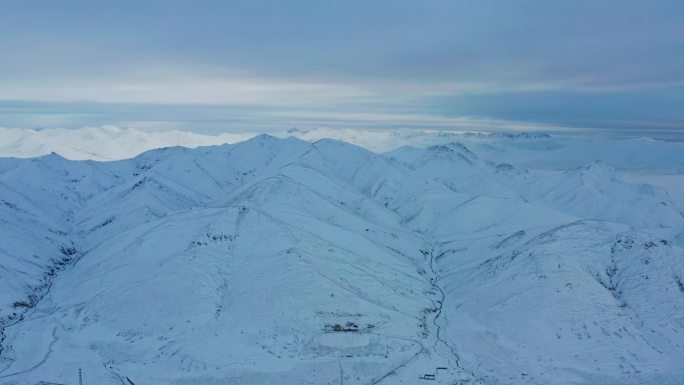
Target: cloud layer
[{"x": 210, "y": 65}]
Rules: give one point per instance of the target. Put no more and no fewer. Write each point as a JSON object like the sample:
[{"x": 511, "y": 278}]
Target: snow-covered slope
[
  {"x": 290, "y": 262},
  {"x": 454, "y": 165},
  {"x": 598, "y": 191},
  {"x": 595, "y": 191}
]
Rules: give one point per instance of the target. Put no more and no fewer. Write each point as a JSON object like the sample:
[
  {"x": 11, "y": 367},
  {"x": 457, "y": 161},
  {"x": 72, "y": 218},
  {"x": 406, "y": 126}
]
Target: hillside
[{"x": 293, "y": 262}]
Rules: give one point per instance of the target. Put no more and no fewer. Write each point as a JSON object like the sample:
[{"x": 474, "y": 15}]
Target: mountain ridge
[{"x": 184, "y": 266}]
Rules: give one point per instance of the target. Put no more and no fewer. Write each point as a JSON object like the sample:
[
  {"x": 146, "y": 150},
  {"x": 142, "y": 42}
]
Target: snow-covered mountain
[
  {"x": 293, "y": 262},
  {"x": 521, "y": 149}
]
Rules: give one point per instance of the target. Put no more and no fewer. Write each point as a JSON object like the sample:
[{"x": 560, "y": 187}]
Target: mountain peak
[
  {"x": 600, "y": 171},
  {"x": 454, "y": 151}
]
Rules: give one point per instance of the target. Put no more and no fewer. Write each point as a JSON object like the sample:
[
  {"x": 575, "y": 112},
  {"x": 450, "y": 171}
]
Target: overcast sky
[{"x": 212, "y": 66}]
